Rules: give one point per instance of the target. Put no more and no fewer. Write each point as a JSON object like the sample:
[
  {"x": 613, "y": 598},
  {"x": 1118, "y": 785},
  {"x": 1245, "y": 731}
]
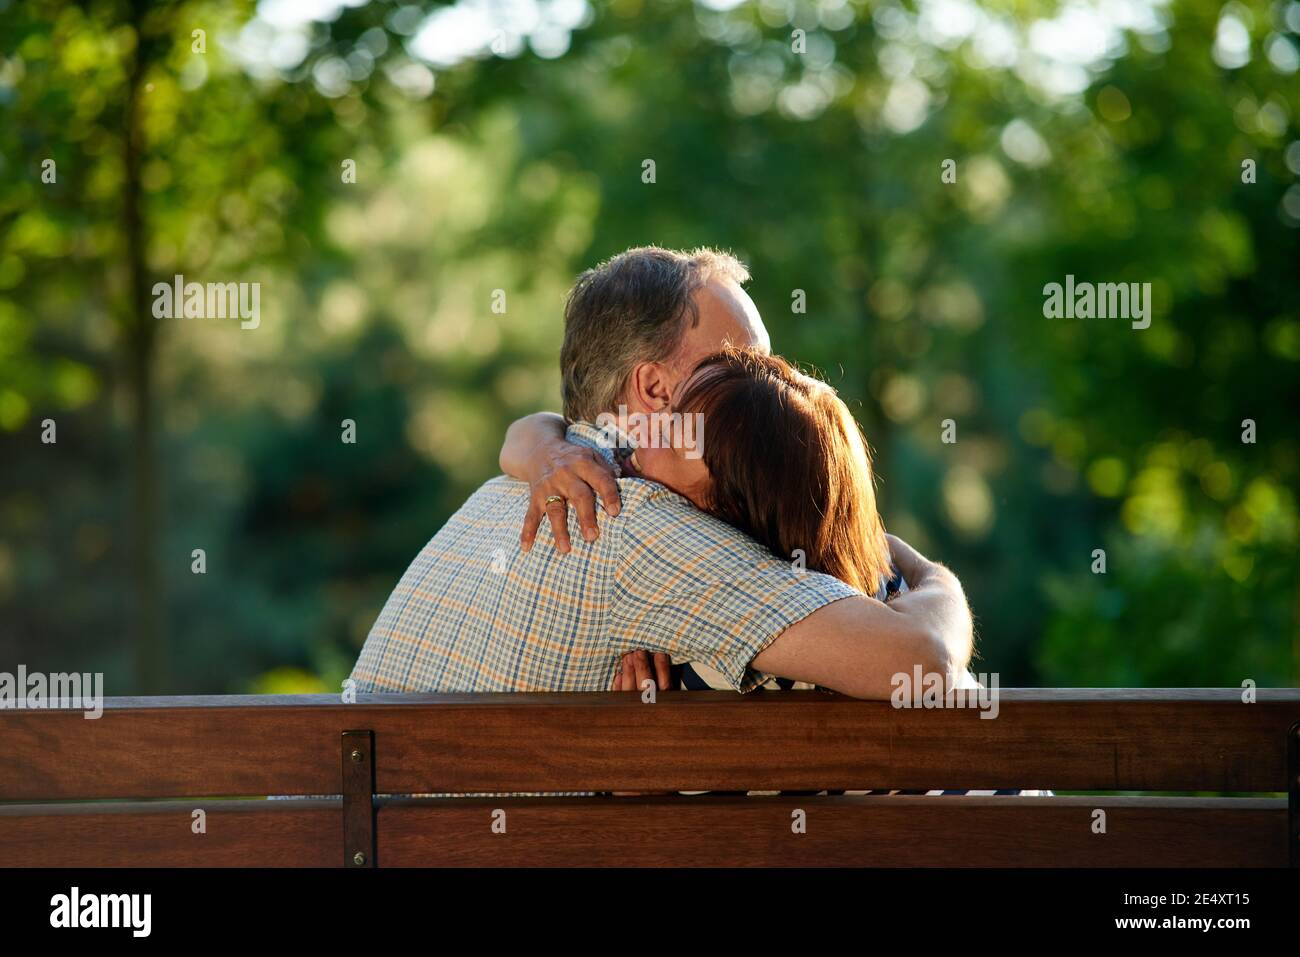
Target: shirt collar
[{"x": 613, "y": 445}]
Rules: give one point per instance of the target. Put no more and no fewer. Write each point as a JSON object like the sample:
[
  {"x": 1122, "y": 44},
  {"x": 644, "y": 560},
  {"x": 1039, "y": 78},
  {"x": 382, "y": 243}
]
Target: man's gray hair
[{"x": 633, "y": 308}]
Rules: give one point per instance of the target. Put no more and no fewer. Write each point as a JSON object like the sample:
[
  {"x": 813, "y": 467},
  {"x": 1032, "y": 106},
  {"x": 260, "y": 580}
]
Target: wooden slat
[
  {"x": 243, "y": 746},
  {"x": 859, "y": 832},
  {"x": 665, "y": 831},
  {"x": 301, "y": 833}
]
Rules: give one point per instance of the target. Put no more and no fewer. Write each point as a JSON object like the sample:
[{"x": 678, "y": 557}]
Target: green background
[{"x": 1108, "y": 146}]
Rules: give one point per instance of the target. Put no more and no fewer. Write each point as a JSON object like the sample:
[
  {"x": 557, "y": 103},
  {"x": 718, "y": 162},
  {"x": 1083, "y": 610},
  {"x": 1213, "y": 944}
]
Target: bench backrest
[{"x": 199, "y": 753}]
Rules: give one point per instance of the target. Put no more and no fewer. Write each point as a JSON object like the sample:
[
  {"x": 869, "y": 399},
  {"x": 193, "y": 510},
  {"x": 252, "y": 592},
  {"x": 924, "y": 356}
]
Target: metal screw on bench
[
  {"x": 359, "y": 859},
  {"x": 356, "y": 757}
]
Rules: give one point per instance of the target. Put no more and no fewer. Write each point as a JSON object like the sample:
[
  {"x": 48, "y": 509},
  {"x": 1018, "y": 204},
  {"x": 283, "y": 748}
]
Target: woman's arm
[
  {"x": 857, "y": 644},
  {"x": 524, "y": 437},
  {"x": 536, "y": 452}
]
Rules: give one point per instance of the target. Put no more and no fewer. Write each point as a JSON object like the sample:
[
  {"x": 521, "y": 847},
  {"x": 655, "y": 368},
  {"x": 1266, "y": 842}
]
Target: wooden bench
[{"x": 123, "y": 790}]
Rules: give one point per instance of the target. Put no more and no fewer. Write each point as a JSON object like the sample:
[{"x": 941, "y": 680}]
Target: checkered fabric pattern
[{"x": 474, "y": 613}]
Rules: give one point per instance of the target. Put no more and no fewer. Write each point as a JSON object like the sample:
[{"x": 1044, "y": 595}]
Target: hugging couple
[
  {"x": 752, "y": 557},
  {"x": 749, "y": 556}
]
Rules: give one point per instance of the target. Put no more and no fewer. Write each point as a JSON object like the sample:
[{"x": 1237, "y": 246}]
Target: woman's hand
[
  {"x": 577, "y": 474},
  {"x": 536, "y": 452},
  {"x": 911, "y": 564},
  {"x": 635, "y": 668}
]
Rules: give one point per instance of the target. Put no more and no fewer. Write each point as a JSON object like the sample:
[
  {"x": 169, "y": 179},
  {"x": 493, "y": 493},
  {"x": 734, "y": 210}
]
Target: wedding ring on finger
[{"x": 552, "y": 499}]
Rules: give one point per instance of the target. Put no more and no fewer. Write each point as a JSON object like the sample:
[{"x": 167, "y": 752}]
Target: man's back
[{"x": 476, "y": 613}]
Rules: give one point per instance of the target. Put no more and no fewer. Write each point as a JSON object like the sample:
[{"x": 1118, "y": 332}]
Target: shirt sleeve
[{"x": 694, "y": 587}]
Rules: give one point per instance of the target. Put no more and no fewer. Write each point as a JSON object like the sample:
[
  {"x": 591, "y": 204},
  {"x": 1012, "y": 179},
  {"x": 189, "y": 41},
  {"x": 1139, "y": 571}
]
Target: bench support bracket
[
  {"x": 358, "y": 799},
  {"x": 1293, "y": 793}
]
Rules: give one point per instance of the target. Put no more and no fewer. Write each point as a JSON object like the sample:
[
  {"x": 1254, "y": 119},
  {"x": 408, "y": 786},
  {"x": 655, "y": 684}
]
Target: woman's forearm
[{"x": 523, "y": 439}]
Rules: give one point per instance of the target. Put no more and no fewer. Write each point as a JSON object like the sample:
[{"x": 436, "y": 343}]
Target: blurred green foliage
[{"x": 516, "y": 169}]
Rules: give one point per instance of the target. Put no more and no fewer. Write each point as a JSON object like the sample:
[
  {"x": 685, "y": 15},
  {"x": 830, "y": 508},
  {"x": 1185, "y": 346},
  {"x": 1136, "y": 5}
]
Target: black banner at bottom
[{"x": 590, "y": 908}]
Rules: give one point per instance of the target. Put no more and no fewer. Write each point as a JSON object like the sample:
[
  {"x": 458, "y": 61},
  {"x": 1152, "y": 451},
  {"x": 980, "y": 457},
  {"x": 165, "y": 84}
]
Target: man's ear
[{"x": 649, "y": 387}]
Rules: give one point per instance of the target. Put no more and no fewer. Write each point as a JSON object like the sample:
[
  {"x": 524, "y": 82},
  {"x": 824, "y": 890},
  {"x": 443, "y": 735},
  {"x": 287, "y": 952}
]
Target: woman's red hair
[{"x": 789, "y": 465}]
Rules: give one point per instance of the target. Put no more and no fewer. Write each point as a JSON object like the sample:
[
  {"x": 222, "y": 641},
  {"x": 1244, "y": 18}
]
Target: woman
[{"x": 780, "y": 457}]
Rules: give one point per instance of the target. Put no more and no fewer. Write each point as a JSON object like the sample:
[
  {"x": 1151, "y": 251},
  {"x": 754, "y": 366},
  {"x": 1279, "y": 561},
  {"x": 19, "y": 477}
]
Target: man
[{"x": 476, "y": 611}]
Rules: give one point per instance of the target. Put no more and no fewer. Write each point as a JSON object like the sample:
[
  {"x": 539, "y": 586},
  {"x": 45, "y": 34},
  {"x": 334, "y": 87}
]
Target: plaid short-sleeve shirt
[{"x": 475, "y": 613}]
